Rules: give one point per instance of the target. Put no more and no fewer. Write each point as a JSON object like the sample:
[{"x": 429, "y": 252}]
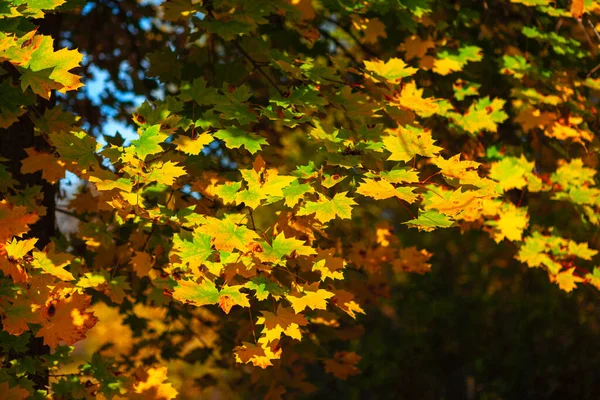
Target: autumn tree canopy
[{"x": 284, "y": 175}]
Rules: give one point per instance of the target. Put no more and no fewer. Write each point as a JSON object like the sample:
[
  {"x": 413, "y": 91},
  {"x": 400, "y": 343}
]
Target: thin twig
[
  {"x": 71, "y": 214},
  {"x": 353, "y": 36},
  {"x": 257, "y": 66},
  {"x": 339, "y": 45}
]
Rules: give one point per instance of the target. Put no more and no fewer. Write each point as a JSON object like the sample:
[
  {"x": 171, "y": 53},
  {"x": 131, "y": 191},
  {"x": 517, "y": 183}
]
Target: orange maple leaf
[{"x": 65, "y": 319}]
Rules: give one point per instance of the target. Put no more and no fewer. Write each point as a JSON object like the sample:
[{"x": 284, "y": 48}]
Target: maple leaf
[
  {"x": 577, "y": 7},
  {"x": 411, "y": 259},
  {"x": 416, "y": 47},
  {"x": 345, "y": 301},
  {"x": 75, "y": 147},
  {"x": 152, "y": 385},
  {"x": 406, "y": 142},
  {"x": 562, "y": 131},
  {"x": 13, "y": 393},
  {"x": 265, "y": 287},
  {"x": 411, "y": 98},
  {"x": 295, "y": 191},
  {"x": 448, "y": 62},
  {"x": 328, "y": 265},
  {"x": 15, "y": 220},
  {"x": 511, "y": 223},
  {"x": 483, "y": 115},
  {"x": 56, "y": 64},
  {"x": 511, "y": 172},
  {"x": 194, "y": 145},
  {"x": 284, "y": 321},
  {"x": 228, "y": 191},
  {"x": 230, "y": 296},
  {"x": 465, "y": 171},
  {"x": 267, "y": 180},
  {"x": 313, "y": 297},
  {"x": 65, "y": 319},
  {"x": 382, "y": 189},
  {"x": 282, "y": 247},
  {"x": 573, "y": 174},
  {"x": 40, "y": 82},
  {"x": 343, "y": 364},
  {"x": 53, "y": 263},
  {"x": 148, "y": 142},
  {"x": 326, "y": 210},
  {"x": 141, "y": 262},
  {"x": 206, "y": 293},
  {"x": 226, "y": 234},
  {"x": 392, "y": 70},
  {"x": 165, "y": 173},
  {"x": 260, "y": 355},
  {"x": 429, "y": 220},
  {"x": 199, "y": 295},
  {"x": 566, "y": 280},
  {"x": 52, "y": 168},
  {"x": 235, "y": 138},
  {"x": 11, "y": 255}
]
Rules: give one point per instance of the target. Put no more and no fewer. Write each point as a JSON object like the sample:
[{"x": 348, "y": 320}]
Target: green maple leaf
[
  {"x": 198, "y": 294},
  {"x": 228, "y": 191},
  {"x": 326, "y": 210},
  {"x": 40, "y": 82},
  {"x": 193, "y": 249},
  {"x": 76, "y": 147},
  {"x": 429, "y": 220},
  {"x": 60, "y": 62},
  {"x": 265, "y": 287},
  {"x": 296, "y": 191},
  {"x": 200, "y": 93},
  {"x": 282, "y": 246},
  {"x": 149, "y": 140},
  {"x": 235, "y": 138}
]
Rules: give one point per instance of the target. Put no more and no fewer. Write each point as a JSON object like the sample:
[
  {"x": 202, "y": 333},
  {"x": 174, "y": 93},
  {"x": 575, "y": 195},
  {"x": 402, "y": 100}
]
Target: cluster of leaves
[{"x": 257, "y": 214}]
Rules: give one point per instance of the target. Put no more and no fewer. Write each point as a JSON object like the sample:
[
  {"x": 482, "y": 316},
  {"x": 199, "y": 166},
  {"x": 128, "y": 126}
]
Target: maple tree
[{"x": 294, "y": 163}]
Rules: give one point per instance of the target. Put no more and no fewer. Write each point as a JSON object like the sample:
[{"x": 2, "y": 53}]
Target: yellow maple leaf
[
  {"x": 566, "y": 280},
  {"x": 562, "y": 131},
  {"x": 406, "y": 142},
  {"x": 327, "y": 209},
  {"x": 195, "y": 145},
  {"x": 383, "y": 189},
  {"x": 17, "y": 249},
  {"x": 311, "y": 297},
  {"x": 411, "y": 98},
  {"x": 465, "y": 171},
  {"x": 392, "y": 70},
  {"x": 511, "y": 223},
  {"x": 446, "y": 65},
  {"x": 152, "y": 385}
]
